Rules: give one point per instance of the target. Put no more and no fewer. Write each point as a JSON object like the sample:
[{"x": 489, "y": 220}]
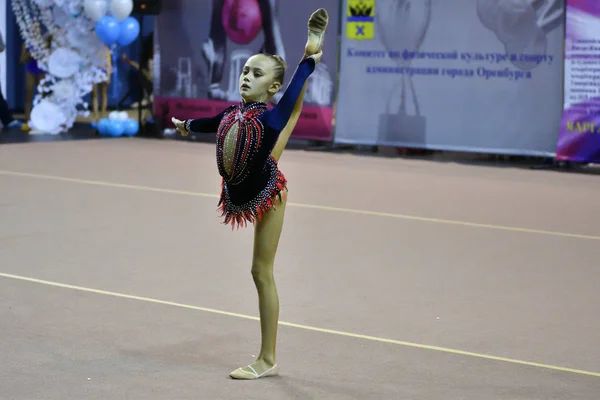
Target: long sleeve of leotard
[
  {"x": 278, "y": 117},
  {"x": 205, "y": 125}
]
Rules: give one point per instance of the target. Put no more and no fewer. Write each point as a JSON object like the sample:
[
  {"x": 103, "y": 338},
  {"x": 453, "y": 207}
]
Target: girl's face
[{"x": 257, "y": 80}]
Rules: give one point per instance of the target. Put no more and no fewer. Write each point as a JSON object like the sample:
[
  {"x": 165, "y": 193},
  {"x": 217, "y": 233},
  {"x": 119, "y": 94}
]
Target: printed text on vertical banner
[
  {"x": 579, "y": 139},
  {"x": 466, "y": 75}
]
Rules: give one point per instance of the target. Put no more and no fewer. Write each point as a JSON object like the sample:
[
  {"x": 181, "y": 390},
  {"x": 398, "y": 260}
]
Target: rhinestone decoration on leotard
[
  {"x": 230, "y": 147},
  {"x": 243, "y": 121},
  {"x": 253, "y": 210}
]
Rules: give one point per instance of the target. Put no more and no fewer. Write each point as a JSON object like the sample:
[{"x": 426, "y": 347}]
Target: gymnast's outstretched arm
[
  {"x": 285, "y": 134},
  {"x": 278, "y": 117},
  {"x": 199, "y": 125}
]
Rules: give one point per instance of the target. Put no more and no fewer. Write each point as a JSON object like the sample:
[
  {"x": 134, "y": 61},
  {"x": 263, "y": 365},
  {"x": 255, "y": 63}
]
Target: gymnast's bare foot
[
  {"x": 260, "y": 369},
  {"x": 317, "y": 24}
]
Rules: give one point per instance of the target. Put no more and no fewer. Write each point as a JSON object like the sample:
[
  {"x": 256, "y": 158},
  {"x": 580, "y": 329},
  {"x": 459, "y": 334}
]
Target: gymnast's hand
[{"x": 179, "y": 125}]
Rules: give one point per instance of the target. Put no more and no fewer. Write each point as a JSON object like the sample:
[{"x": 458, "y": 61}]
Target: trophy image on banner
[
  {"x": 521, "y": 26},
  {"x": 401, "y": 26}
]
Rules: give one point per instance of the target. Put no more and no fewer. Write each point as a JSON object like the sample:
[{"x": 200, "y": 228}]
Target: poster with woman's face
[{"x": 202, "y": 46}]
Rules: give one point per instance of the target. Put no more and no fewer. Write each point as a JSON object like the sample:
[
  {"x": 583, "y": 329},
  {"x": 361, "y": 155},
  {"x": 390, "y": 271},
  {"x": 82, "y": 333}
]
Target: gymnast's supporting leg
[{"x": 266, "y": 239}]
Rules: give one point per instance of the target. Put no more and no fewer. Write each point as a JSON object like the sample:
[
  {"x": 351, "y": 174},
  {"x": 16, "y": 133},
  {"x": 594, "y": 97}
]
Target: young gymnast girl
[{"x": 250, "y": 141}]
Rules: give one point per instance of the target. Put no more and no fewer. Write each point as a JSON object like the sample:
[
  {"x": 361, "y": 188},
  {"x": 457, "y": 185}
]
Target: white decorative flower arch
[{"x": 70, "y": 53}]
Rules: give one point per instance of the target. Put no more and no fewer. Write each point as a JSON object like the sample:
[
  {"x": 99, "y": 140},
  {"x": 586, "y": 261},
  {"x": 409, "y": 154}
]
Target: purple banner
[
  {"x": 202, "y": 47},
  {"x": 579, "y": 138}
]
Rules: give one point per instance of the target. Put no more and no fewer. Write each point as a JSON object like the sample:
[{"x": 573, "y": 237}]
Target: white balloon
[
  {"x": 121, "y": 9},
  {"x": 114, "y": 115},
  {"x": 123, "y": 116},
  {"x": 95, "y": 9},
  {"x": 63, "y": 62},
  {"x": 47, "y": 117}
]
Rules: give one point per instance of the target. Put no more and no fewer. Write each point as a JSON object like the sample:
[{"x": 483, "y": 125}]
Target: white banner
[{"x": 465, "y": 75}]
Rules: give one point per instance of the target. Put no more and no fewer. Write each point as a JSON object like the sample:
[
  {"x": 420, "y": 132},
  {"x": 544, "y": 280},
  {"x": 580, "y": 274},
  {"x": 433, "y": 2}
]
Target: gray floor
[{"x": 117, "y": 280}]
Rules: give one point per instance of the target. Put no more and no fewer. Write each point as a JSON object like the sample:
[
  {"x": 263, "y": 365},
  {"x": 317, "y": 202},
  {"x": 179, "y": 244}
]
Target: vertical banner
[
  {"x": 579, "y": 139},
  {"x": 466, "y": 75},
  {"x": 203, "y": 45}
]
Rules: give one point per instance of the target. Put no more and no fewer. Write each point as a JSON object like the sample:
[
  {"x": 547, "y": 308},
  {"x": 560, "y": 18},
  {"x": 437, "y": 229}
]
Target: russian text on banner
[
  {"x": 579, "y": 139},
  {"x": 464, "y": 75}
]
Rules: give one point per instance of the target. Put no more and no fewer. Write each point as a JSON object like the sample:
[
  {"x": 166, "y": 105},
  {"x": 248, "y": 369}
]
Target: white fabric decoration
[
  {"x": 74, "y": 60},
  {"x": 64, "y": 63},
  {"x": 47, "y": 117}
]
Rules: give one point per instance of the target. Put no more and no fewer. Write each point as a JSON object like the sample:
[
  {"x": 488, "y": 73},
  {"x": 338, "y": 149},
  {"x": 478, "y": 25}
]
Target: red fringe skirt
[{"x": 253, "y": 211}]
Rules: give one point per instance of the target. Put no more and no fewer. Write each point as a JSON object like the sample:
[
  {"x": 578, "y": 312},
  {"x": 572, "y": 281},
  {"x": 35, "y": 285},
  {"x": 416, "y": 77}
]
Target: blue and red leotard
[{"x": 246, "y": 135}]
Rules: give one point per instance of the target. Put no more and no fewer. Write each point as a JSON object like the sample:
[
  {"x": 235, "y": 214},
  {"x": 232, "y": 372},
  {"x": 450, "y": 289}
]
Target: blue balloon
[
  {"x": 108, "y": 29},
  {"x": 131, "y": 127},
  {"x": 129, "y": 31},
  {"x": 103, "y": 125},
  {"x": 116, "y": 128}
]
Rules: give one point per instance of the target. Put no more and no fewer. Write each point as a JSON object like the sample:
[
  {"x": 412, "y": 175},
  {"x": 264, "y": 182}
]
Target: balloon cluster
[
  {"x": 113, "y": 21},
  {"x": 118, "y": 124},
  {"x": 59, "y": 35}
]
